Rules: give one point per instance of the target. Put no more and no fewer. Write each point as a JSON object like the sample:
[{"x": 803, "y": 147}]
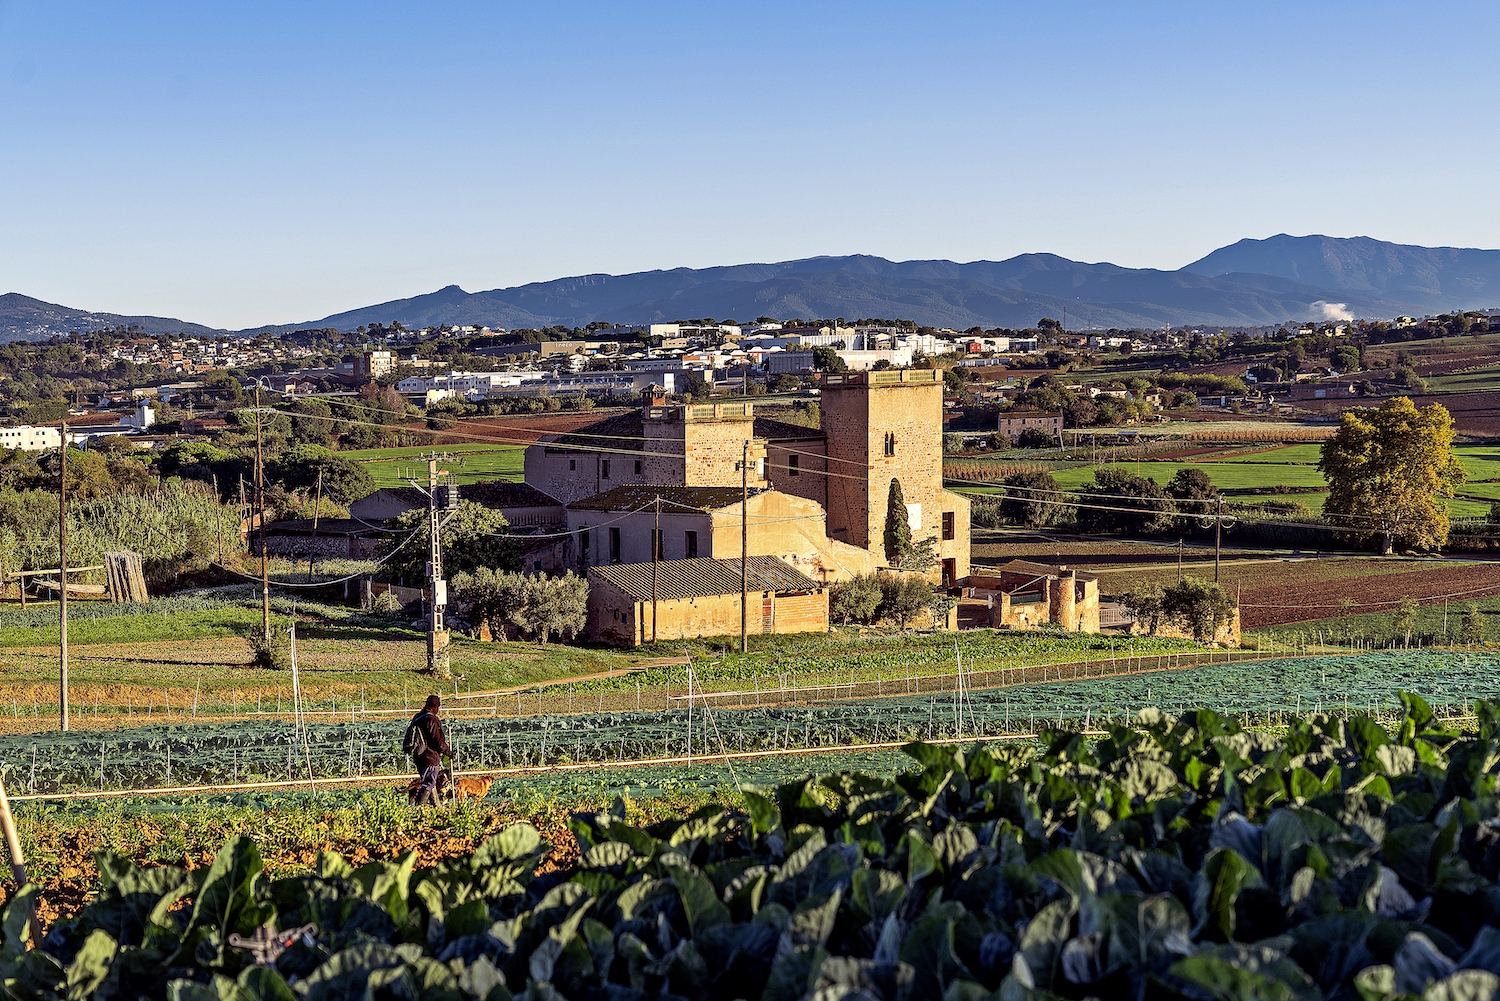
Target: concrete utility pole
[
  {"x": 745, "y": 550},
  {"x": 317, "y": 504},
  {"x": 62, "y": 579},
  {"x": 437, "y": 633},
  {"x": 260, "y": 504},
  {"x": 1218, "y": 535}
]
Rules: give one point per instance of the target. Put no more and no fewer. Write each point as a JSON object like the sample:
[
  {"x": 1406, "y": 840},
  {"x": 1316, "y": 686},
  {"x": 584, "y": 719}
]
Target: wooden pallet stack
[{"x": 126, "y": 581}]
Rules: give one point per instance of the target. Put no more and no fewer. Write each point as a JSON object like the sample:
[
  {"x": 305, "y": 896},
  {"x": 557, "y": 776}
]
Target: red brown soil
[
  {"x": 1280, "y": 603},
  {"x": 1473, "y": 413}
]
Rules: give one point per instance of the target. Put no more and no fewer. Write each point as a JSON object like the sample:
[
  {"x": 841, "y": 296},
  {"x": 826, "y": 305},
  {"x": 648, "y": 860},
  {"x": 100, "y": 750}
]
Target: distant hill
[
  {"x": 24, "y": 318},
  {"x": 1013, "y": 293},
  {"x": 1423, "y": 279},
  {"x": 1250, "y": 283}
]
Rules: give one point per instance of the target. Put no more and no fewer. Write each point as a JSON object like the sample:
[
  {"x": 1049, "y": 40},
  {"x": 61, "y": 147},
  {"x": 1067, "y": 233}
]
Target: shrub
[
  {"x": 1473, "y": 631},
  {"x": 274, "y": 653},
  {"x": 903, "y": 596},
  {"x": 1200, "y": 606},
  {"x": 856, "y": 599},
  {"x": 386, "y": 603}
]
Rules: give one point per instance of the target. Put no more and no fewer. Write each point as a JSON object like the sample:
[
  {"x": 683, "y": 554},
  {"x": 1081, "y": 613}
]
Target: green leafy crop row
[{"x": 1175, "y": 858}]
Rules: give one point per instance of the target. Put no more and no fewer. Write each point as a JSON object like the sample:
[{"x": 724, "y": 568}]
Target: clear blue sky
[{"x": 238, "y": 164}]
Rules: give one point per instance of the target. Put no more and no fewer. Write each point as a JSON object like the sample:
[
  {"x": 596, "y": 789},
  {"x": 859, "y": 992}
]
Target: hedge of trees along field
[{"x": 1175, "y": 858}]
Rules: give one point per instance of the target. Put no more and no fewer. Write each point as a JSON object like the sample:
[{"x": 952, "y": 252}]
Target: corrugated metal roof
[
  {"x": 704, "y": 577},
  {"x": 637, "y": 495}
]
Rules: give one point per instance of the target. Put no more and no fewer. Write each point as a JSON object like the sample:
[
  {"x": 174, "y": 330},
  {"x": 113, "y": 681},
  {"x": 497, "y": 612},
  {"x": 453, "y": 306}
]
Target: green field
[
  {"x": 392, "y": 467},
  {"x": 1466, "y": 382},
  {"x": 1229, "y": 476},
  {"x": 1288, "y": 465}
]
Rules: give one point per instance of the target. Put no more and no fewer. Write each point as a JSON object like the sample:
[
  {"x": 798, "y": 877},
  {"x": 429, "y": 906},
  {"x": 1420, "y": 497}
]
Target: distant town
[{"x": 118, "y": 382}]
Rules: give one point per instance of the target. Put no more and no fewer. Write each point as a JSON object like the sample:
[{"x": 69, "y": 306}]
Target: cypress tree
[{"x": 897, "y": 528}]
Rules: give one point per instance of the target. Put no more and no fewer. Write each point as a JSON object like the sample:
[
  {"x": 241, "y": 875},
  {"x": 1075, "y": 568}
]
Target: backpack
[{"x": 414, "y": 745}]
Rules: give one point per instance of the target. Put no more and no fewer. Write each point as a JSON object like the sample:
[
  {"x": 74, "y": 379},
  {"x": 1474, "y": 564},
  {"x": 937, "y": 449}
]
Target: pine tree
[{"x": 897, "y": 527}]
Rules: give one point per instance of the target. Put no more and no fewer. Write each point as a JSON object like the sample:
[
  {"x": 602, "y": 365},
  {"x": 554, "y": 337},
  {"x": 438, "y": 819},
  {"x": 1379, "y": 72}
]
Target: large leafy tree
[
  {"x": 1118, "y": 501},
  {"x": 1389, "y": 470},
  {"x": 1032, "y": 499},
  {"x": 299, "y": 468},
  {"x": 473, "y": 536}
]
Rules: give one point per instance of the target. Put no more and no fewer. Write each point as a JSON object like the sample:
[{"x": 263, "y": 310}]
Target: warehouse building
[{"x": 634, "y": 603}]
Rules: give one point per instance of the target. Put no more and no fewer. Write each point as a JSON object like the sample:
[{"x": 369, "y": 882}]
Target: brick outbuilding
[{"x": 701, "y": 597}]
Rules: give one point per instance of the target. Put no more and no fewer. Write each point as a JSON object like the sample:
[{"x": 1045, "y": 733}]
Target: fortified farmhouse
[{"x": 672, "y": 478}]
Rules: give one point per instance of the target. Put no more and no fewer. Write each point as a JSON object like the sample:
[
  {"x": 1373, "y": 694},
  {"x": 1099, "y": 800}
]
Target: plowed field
[{"x": 1277, "y": 602}]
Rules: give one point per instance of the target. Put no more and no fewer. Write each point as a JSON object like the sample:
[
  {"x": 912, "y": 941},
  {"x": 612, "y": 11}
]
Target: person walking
[{"x": 427, "y": 744}]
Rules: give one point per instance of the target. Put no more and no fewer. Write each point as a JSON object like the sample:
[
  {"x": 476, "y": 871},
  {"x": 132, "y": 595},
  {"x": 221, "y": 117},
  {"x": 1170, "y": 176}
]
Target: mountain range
[{"x": 1249, "y": 283}]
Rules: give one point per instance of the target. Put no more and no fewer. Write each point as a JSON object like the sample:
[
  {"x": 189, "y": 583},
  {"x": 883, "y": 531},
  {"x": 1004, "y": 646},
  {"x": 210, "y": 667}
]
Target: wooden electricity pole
[
  {"x": 260, "y": 503},
  {"x": 745, "y": 550},
  {"x": 62, "y": 580},
  {"x": 655, "y": 564}
]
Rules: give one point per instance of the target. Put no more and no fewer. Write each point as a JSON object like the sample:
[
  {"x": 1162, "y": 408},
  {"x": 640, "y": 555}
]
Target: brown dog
[
  {"x": 472, "y": 786},
  {"x": 450, "y": 788}
]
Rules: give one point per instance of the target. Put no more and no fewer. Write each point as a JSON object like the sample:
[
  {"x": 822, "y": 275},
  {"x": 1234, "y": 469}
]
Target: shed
[{"x": 701, "y": 597}]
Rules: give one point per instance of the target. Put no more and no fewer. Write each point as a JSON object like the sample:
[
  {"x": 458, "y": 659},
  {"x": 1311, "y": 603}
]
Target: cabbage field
[
  {"x": 1255, "y": 692},
  {"x": 1175, "y": 858}
]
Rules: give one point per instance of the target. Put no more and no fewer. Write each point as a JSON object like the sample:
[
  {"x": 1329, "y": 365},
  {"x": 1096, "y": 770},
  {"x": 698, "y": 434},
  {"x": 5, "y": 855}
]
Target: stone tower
[{"x": 884, "y": 426}]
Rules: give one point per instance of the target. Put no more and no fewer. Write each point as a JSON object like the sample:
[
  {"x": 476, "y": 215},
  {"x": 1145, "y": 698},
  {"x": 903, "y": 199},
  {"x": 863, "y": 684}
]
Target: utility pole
[
  {"x": 62, "y": 579},
  {"x": 1218, "y": 535},
  {"x": 437, "y": 634},
  {"x": 317, "y": 503},
  {"x": 655, "y": 564},
  {"x": 260, "y": 504},
  {"x": 745, "y": 550},
  {"x": 218, "y": 519},
  {"x": 1179, "y": 561}
]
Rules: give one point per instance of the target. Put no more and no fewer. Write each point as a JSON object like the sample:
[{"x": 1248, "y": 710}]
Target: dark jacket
[{"x": 437, "y": 742}]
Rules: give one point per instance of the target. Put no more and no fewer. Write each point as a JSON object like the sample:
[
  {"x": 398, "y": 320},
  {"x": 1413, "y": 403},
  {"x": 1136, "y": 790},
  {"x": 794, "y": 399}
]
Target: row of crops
[
  {"x": 1258, "y": 692},
  {"x": 1176, "y": 858}
]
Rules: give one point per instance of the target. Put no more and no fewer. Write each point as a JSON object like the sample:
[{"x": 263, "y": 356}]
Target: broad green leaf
[
  {"x": 513, "y": 844},
  {"x": 876, "y": 893},
  {"x": 1216, "y": 887},
  {"x": 91, "y": 965},
  {"x": 699, "y": 900}
]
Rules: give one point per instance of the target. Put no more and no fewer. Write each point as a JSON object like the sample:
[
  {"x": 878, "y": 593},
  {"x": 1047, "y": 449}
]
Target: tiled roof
[
  {"x": 639, "y": 495},
  {"x": 704, "y": 577},
  {"x": 490, "y": 493},
  {"x": 628, "y": 425}
]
